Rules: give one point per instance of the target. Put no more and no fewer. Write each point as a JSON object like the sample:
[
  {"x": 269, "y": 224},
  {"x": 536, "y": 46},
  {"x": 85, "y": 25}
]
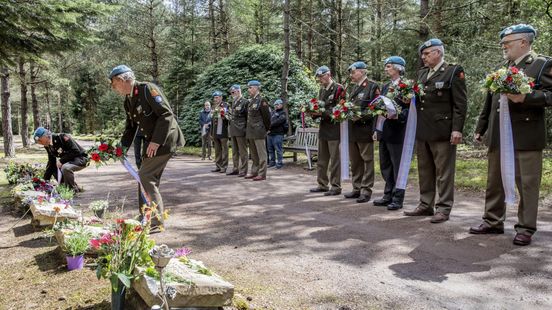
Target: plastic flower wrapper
[
  {"x": 508, "y": 81},
  {"x": 405, "y": 90},
  {"x": 313, "y": 106}
]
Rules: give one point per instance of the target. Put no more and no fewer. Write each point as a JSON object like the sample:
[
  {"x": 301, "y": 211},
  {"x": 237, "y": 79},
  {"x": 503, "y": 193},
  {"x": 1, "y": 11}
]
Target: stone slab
[
  {"x": 206, "y": 291},
  {"x": 44, "y": 214}
]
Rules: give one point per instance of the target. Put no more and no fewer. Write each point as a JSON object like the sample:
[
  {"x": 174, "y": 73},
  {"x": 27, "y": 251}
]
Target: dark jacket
[
  {"x": 393, "y": 129},
  {"x": 148, "y": 111},
  {"x": 528, "y": 118},
  {"x": 362, "y": 95},
  {"x": 238, "y": 118},
  {"x": 205, "y": 118},
  {"x": 214, "y": 124},
  {"x": 258, "y": 118},
  {"x": 443, "y": 107},
  {"x": 329, "y": 130},
  {"x": 67, "y": 150},
  {"x": 278, "y": 121}
]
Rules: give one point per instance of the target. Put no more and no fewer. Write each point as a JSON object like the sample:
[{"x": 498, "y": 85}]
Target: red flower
[
  {"x": 514, "y": 70},
  {"x": 391, "y": 89},
  {"x": 345, "y": 109},
  {"x": 314, "y": 100},
  {"x": 95, "y": 243},
  {"x": 137, "y": 228},
  {"x": 336, "y": 113},
  {"x": 416, "y": 88},
  {"x": 35, "y": 179},
  {"x": 120, "y": 221},
  {"x": 402, "y": 85},
  {"x": 509, "y": 79},
  {"x": 118, "y": 152},
  {"x": 372, "y": 107},
  {"x": 532, "y": 84},
  {"x": 103, "y": 147},
  {"x": 95, "y": 157}
]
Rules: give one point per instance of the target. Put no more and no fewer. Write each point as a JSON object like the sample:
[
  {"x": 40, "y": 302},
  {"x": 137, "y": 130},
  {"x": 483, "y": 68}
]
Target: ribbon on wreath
[
  {"x": 408, "y": 145},
  {"x": 391, "y": 112},
  {"x": 507, "y": 157},
  {"x": 135, "y": 175},
  {"x": 344, "y": 149}
]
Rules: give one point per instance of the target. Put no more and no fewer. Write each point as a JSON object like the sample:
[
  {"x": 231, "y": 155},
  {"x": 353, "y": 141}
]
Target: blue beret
[
  {"x": 235, "y": 87},
  {"x": 39, "y": 132},
  {"x": 217, "y": 93},
  {"x": 278, "y": 101},
  {"x": 120, "y": 69},
  {"x": 254, "y": 83},
  {"x": 430, "y": 43},
  {"x": 322, "y": 70},
  {"x": 357, "y": 65},
  {"x": 520, "y": 28},
  {"x": 397, "y": 60}
]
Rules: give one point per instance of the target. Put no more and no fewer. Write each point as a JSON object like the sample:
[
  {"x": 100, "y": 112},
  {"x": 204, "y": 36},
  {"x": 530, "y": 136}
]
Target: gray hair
[
  {"x": 529, "y": 37},
  {"x": 441, "y": 50},
  {"x": 363, "y": 71},
  {"x": 127, "y": 76},
  {"x": 399, "y": 68}
]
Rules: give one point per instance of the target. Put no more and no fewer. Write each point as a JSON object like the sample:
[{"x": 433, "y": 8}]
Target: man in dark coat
[
  {"x": 258, "y": 123},
  {"x": 527, "y": 115},
  {"x": 64, "y": 154},
  {"x": 219, "y": 132},
  {"x": 237, "y": 114}
]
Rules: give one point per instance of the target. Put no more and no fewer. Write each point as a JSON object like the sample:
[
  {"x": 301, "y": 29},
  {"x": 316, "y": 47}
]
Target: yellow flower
[
  {"x": 57, "y": 209},
  {"x": 166, "y": 214}
]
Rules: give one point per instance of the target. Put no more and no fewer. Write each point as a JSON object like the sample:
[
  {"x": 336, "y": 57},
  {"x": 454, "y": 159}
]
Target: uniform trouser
[
  {"x": 328, "y": 159},
  {"x": 362, "y": 166},
  {"x": 257, "y": 148},
  {"x": 221, "y": 153},
  {"x": 239, "y": 154},
  {"x": 275, "y": 150},
  {"x": 390, "y": 160},
  {"x": 150, "y": 175},
  {"x": 68, "y": 172},
  {"x": 139, "y": 143},
  {"x": 528, "y": 181},
  {"x": 436, "y": 168},
  {"x": 205, "y": 145}
]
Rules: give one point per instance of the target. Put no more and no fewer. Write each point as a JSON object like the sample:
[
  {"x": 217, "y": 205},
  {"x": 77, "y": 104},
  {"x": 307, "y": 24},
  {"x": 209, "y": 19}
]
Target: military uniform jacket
[
  {"x": 393, "y": 129},
  {"x": 214, "y": 125},
  {"x": 238, "y": 117},
  {"x": 361, "y": 95},
  {"x": 149, "y": 112},
  {"x": 331, "y": 97},
  {"x": 443, "y": 107},
  {"x": 67, "y": 150},
  {"x": 528, "y": 118},
  {"x": 258, "y": 118}
]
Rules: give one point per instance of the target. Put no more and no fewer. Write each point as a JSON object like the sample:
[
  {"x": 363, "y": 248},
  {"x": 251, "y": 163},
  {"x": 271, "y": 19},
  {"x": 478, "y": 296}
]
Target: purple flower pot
[{"x": 75, "y": 262}]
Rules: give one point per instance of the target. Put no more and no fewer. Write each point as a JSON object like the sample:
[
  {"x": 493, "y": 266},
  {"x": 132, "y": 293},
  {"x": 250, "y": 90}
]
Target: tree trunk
[
  {"x": 224, "y": 28},
  {"x": 285, "y": 69},
  {"x": 60, "y": 108},
  {"x": 24, "y": 109},
  {"x": 376, "y": 71},
  {"x": 333, "y": 41},
  {"x": 212, "y": 31},
  {"x": 152, "y": 22},
  {"x": 437, "y": 18},
  {"x": 424, "y": 10},
  {"x": 309, "y": 36},
  {"x": 34, "y": 101},
  {"x": 339, "y": 38},
  {"x": 48, "y": 107},
  {"x": 299, "y": 32},
  {"x": 9, "y": 149},
  {"x": 358, "y": 23}
]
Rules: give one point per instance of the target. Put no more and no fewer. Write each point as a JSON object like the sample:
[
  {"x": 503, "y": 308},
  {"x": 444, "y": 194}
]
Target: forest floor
[{"x": 285, "y": 248}]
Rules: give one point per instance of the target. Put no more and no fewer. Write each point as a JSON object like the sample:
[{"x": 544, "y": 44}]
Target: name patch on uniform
[
  {"x": 439, "y": 85},
  {"x": 331, "y": 97},
  {"x": 361, "y": 95}
]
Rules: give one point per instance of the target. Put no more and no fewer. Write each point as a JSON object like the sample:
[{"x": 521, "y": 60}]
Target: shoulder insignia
[
  {"x": 158, "y": 99},
  {"x": 154, "y": 93},
  {"x": 364, "y": 84},
  {"x": 461, "y": 75},
  {"x": 135, "y": 90},
  {"x": 66, "y": 138}
]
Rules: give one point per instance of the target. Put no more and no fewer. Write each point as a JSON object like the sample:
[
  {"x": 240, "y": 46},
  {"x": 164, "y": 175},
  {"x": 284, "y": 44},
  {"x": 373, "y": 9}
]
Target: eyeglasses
[
  {"x": 502, "y": 43},
  {"x": 428, "y": 52}
]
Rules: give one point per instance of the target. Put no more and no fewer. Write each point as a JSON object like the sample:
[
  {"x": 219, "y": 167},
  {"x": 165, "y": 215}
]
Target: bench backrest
[{"x": 306, "y": 135}]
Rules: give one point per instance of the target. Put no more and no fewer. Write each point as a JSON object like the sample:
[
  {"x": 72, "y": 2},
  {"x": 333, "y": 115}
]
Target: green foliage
[
  {"x": 77, "y": 243},
  {"x": 20, "y": 172},
  {"x": 65, "y": 192},
  {"x": 261, "y": 62}
]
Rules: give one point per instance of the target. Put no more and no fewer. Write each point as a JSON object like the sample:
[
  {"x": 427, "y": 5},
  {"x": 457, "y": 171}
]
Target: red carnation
[
  {"x": 402, "y": 85},
  {"x": 118, "y": 152},
  {"x": 514, "y": 70},
  {"x": 314, "y": 100},
  {"x": 120, "y": 221},
  {"x": 416, "y": 88},
  {"x": 345, "y": 109},
  {"x": 509, "y": 79},
  {"x": 95, "y": 157},
  {"x": 336, "y": 113},
  {"x": 532, "y": 84},
  {"x": 35, "y": 179},
  {"x": 103, "y": 147}
]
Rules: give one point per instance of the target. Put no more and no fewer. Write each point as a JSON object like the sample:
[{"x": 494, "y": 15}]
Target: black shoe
[
  {"x": 216, "y": 170},
  {"x": 233, "y": 173},
  {"x": 271, "y": 166},
  {"x": 363, "y": 198},
  {"x": 352, "y": 195},
  {"x": 394, "y": 206},
  {"x": 332, "y": 192},
  {"x": 382, "y": 202},
  {"x": 318, "y": 190}
]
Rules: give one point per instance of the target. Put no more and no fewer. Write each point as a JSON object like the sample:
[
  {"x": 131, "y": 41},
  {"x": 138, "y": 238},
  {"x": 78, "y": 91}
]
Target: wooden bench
[{"x": 305, "y": 141}]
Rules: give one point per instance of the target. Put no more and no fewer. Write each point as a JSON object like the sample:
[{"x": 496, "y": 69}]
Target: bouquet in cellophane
[
  {"x": 345, "y": 110},
  {"x": 405, "y": 89},
  {"x": 313, "y": 106},
  {"x": 508, "y": 81}
]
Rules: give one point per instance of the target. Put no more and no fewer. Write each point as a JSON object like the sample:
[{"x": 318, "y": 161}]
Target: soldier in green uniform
[
  {"x": 72, "y": 156},
  {"x": 529, "y": 136},
  {"x": 236, "y": 129},
  {"x": 219, "y": 132},
  {"x": 148, "y": 111},
  {"x": 361, "y": 143},
  {"x": 330, "y": 94},
  {"x": 441, "y": 115},
  {"x": 258, "y": 123}
]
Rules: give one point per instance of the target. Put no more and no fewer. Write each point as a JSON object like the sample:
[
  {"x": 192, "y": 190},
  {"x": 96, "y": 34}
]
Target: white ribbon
[
  {"x": 204, "y": 129},
  {"x": 344, "y": 149},
  {"x": 135, "y": 175},
  {"x": 507, "y": 159},
  {"x": 391, "y": 112},
  {"x": 219, "y": 125},
  {"x": 59, "y": 176},
  {"x": 408, "y": 145}
]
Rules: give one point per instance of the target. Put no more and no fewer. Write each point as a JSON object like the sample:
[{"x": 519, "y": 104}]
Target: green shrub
[
  {"x": 77, "y": 243},
  {"x": 18, "y": 172}
]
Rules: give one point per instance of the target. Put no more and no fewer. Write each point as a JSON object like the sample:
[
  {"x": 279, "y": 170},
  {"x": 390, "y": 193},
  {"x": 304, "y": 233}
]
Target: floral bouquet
[
  {"x": 508, "y": 81},
  {"x": 312, "y": 106},
  {"x": 344, "y": 110},
  {"x": 40, "y": 185},
  {"x": 406, "y": 89},
  {"x": 105, "y": 151},
  {"x": 219, "y": 111},
  {"x": 378, "y": 108}
]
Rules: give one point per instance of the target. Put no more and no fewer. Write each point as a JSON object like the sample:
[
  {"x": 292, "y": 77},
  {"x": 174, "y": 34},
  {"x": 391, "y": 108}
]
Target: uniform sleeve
[
  {"x": 71, "y": 149},
  {"x": 459, "y": 99},
  {"x": 160, "y": 106},
  {"x": 129, "y": 132},
  {"x": 51, "y": 168},
  {"x": 265, "y": 113},
  {"x": 483, "y": 121},
  {"x": 543, "y": 96}
]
